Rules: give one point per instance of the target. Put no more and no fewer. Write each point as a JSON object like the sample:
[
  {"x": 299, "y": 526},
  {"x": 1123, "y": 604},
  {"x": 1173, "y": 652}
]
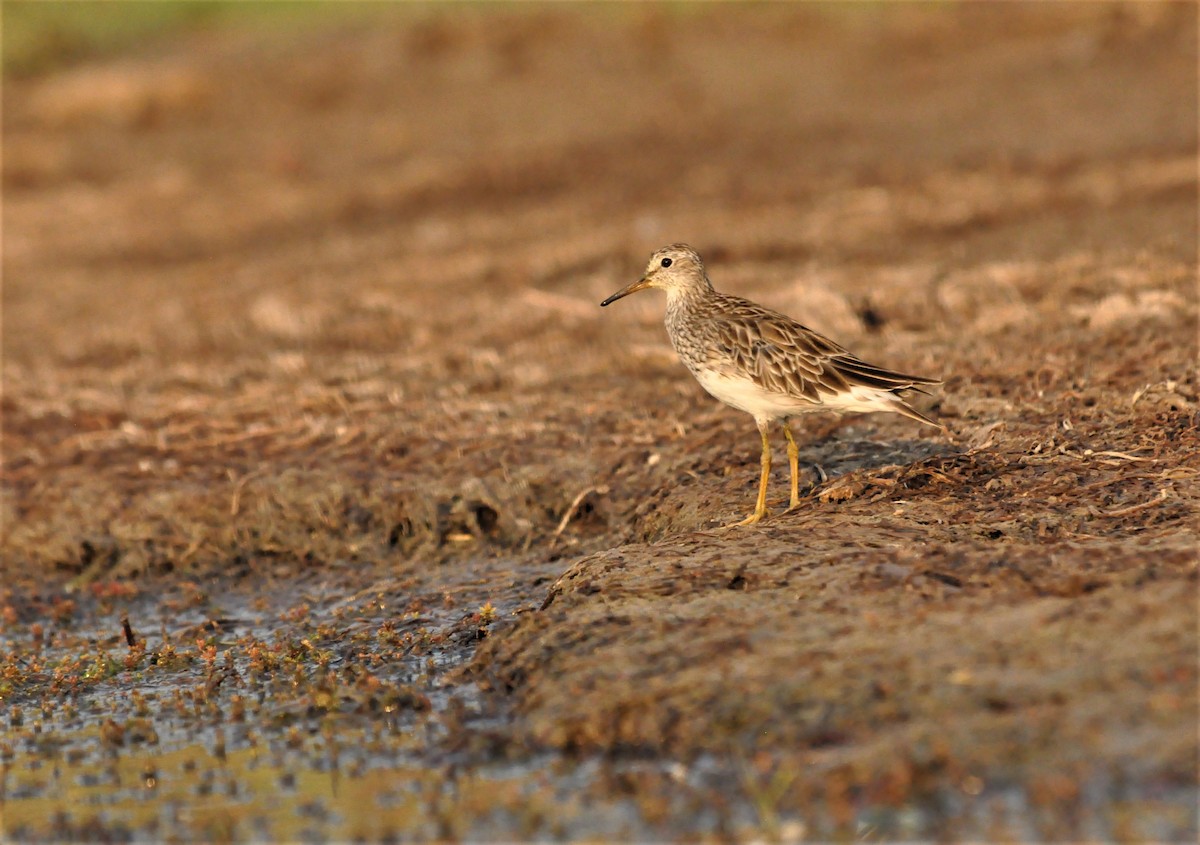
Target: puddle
[{"x": 226, "y": 706}]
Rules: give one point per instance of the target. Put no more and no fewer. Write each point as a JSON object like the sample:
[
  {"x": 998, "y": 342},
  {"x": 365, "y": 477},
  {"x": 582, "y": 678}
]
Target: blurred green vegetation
[{"x": 41, "y": 35}]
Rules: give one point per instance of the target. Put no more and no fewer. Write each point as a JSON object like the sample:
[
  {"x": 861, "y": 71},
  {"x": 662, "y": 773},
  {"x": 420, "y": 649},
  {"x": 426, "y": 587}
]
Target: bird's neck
[
  {"x": 683, "y": 306},
  {"x": 690, "y": 296}
]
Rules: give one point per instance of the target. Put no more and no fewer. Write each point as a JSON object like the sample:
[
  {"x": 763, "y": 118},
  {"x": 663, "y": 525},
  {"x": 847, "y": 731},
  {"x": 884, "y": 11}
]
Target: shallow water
[{"x": 355, "y": 729}]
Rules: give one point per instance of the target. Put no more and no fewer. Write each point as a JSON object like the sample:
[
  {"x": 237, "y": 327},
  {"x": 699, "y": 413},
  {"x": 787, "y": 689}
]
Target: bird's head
[{"x": 677, "y": 269}]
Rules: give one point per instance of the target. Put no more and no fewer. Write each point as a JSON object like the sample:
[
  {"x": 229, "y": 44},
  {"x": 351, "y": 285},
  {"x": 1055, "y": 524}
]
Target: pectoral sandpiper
[{"x": 763, "y": 362}]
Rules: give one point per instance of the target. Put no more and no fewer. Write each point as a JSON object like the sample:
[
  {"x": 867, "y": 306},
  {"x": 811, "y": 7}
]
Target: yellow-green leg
[
  {"x": 760, "y": 508},
  {"x": 794, "y": 463}
]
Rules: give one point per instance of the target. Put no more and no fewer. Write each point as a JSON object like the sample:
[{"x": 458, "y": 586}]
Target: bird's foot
[{"x": 752, "y": 519}]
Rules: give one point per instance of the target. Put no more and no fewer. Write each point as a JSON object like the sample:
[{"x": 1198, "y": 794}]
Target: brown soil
[{"x": 327, "y": 302}]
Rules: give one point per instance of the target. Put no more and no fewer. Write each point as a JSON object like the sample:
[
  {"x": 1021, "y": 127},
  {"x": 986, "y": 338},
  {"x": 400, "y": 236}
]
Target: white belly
[{"x": 746, "y": 395}]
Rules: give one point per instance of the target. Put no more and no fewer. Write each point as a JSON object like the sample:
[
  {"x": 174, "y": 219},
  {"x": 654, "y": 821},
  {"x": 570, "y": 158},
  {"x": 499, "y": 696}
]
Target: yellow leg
[
  {"x": 794, "y": 463},
  {"x": 760, "y": 508}
]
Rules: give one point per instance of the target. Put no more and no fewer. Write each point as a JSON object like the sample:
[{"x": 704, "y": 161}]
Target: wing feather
[{"x": 783, "y": 356}]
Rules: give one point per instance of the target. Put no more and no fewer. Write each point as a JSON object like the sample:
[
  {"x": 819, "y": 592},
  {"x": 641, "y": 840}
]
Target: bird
[{"x": 763, "y": 362}]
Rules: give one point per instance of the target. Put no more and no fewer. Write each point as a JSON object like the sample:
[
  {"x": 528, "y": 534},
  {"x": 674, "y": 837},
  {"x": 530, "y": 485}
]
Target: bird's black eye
[{"x": 666, "y": 262}]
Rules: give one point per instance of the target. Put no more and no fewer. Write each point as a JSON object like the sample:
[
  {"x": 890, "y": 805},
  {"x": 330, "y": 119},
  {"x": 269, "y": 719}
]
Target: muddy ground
[{"x": 305, "y": 377}]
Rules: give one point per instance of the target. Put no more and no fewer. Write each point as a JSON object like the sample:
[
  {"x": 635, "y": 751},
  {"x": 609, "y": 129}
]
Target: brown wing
[
  {"x": 786, "y": 357},
  {"x": 768, "y": 347}
]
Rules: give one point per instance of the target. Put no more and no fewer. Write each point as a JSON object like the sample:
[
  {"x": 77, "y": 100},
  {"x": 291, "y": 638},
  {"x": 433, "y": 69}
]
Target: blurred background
[{"x": 299, "y": 168}]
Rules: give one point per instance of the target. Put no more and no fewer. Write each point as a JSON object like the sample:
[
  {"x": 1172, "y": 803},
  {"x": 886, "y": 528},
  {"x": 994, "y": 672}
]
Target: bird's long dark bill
[{"x": 640, "y": 284}]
